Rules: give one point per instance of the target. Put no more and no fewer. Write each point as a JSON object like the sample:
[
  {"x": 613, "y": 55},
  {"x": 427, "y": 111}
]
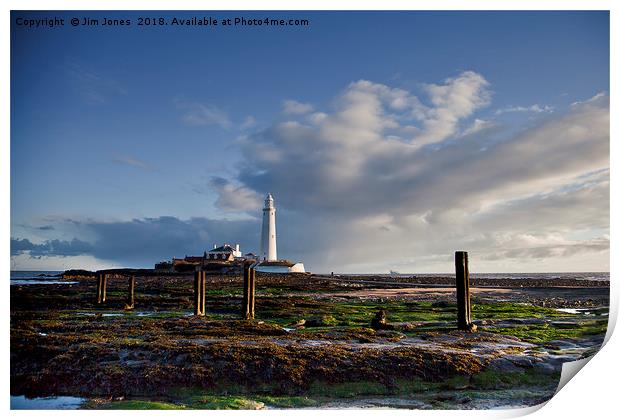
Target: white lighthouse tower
[{"x": 268, "y": 251}]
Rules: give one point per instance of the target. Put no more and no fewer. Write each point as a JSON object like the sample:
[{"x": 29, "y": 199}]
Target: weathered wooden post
[
  {"x": 252, "y": 291},
  {"x": 463, "y": 297},
  {"x": 196, "y": 284},
  {"x": 203, "y": 301},
  {"x": 245, "y": 303},
  {"x": 130, "y": 294},
  {"x": 99, "y": 286},
  {"x": 198, "y": 292},
  {"x": 103, "y": 281}
]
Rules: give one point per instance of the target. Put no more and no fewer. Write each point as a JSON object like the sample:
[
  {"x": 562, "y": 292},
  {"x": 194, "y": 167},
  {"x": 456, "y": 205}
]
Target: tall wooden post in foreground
[
  {"x": 463, "y": 297},
  {"x": 102, "y": 285},
  {"x": 130, "y": 294},
  {"x": 99, "y": 287},
  {"x": 203, "y": 302},
  {"x": 199, "y": 292},
  {"x": 247, "y": 305},
  {"x": 252, "y": 291},
  {"x": 105, "y": 288}
]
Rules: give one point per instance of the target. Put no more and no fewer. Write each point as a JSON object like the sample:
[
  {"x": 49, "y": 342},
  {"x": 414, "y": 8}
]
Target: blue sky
[{"x": 134, "y": 144}]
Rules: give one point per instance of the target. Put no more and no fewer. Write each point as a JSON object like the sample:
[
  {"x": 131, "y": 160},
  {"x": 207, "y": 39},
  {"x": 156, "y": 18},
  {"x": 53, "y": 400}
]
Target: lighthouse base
[{"x": 281, "y": 266}]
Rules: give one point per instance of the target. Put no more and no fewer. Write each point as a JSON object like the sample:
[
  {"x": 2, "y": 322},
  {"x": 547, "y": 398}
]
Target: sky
[{"x": 388, "y": 139}]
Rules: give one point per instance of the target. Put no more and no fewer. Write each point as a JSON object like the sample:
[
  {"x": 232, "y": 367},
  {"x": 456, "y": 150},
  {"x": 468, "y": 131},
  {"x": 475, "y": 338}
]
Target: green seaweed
[
  {"x": 491, "y": 379},
  {"x": 139, "y": 405}
]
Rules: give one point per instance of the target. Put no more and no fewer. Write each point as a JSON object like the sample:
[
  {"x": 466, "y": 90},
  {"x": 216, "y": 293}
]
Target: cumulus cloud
[
  {"x": 292, "y": 107},
  {"x": 234, "y": 198},
  {"x": 455, "y": 99},
  {"x": 375, "y": 190}
]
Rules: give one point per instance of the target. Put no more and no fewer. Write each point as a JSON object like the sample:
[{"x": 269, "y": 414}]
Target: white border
[{"x": 592, "y": 395}]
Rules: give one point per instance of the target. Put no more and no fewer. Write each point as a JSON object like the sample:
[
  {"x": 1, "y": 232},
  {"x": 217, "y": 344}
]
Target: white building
[
  {"x": 223, "y": 253},
  {"x": 268, "y": 249}
]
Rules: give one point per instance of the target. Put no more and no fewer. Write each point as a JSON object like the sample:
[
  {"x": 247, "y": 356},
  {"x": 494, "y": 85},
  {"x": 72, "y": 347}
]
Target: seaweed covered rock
[
  {"x": 379, "y": 322},
  {"x": 322, "y": 321}
]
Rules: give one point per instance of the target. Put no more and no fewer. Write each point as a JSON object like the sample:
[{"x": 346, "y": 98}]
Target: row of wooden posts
[
  {"x": 102, "y": 286},
  {"x": 200, "y": 291},
  {"x": 463, "y": 295}
]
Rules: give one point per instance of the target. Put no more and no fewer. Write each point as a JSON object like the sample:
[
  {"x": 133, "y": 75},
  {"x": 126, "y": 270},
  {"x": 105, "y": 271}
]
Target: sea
[
  {"x": 597, "y": 276},
  {"x": 35, "y": 277},
  {"x": 52, "y": 277}
]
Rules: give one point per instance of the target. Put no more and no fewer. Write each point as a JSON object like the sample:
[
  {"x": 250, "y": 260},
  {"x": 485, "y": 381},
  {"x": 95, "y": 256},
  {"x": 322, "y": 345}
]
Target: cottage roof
[{"x": 223, "y": 248}]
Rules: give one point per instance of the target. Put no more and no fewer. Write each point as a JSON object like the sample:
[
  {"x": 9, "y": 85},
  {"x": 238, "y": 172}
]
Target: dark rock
[
  {"x": 502, "y": 364},
  {"x": 379, "y": 322},
  {"x": 547, "y": 368},
  {"x": 464, "y": 400},
  {"x": 520, "y": 361}
]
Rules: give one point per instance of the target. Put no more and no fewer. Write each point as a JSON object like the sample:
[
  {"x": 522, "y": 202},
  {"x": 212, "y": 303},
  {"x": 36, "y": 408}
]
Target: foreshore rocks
[
  {"x": 310, "y": 332},
  {"x": 89, "y": 369}
]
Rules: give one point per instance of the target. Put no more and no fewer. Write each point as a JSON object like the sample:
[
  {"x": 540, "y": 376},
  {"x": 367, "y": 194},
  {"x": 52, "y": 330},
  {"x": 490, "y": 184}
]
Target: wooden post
[
  {"x": 199, "y": 293},
  {"x": 245, "y": 304},
  {"x": 130, "y": 295},
  {"x": 463, "y": 297},
  {"x": 197, "y": 289},
  {"x": 104, "y": 287},
  {"x": 252, "y": 292},
  {"x": 99, "y": 286},
  {"x": 203, "y": 293}
]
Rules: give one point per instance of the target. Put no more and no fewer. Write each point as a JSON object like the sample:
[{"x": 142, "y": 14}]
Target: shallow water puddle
[
  {"x": 39, "y": 282},
  {"x": 20, "y": 402},
  {"x": 100, "y": 314}
]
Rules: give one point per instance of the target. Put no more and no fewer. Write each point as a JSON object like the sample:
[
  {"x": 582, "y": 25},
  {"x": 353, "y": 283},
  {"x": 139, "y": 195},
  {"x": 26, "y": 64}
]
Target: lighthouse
[{"x": 268, "y": 251}]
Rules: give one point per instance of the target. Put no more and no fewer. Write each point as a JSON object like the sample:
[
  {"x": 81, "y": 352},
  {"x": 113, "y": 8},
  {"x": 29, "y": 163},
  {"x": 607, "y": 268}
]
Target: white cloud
[
  {"x": 477, "y": 126},
  {"x": 234, "y": 198},
  {"x": 601, "y": 96},
  {"x": 248, "y": 122},
  {"x": 130, "y": 161},
  {"x": 317, "y": 117},
  {"x": 455, "y": 99},
  {"x": 94, "y": 87},
  {"x": 202, "y": 114},
  {"x": 353, "y": 181},
  {"x": 536, "y": 109},
  {"x": 292, "y": 107}
]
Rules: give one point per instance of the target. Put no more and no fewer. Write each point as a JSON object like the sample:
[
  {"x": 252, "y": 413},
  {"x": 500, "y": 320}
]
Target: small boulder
[{"x": 379, "y": 322}]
